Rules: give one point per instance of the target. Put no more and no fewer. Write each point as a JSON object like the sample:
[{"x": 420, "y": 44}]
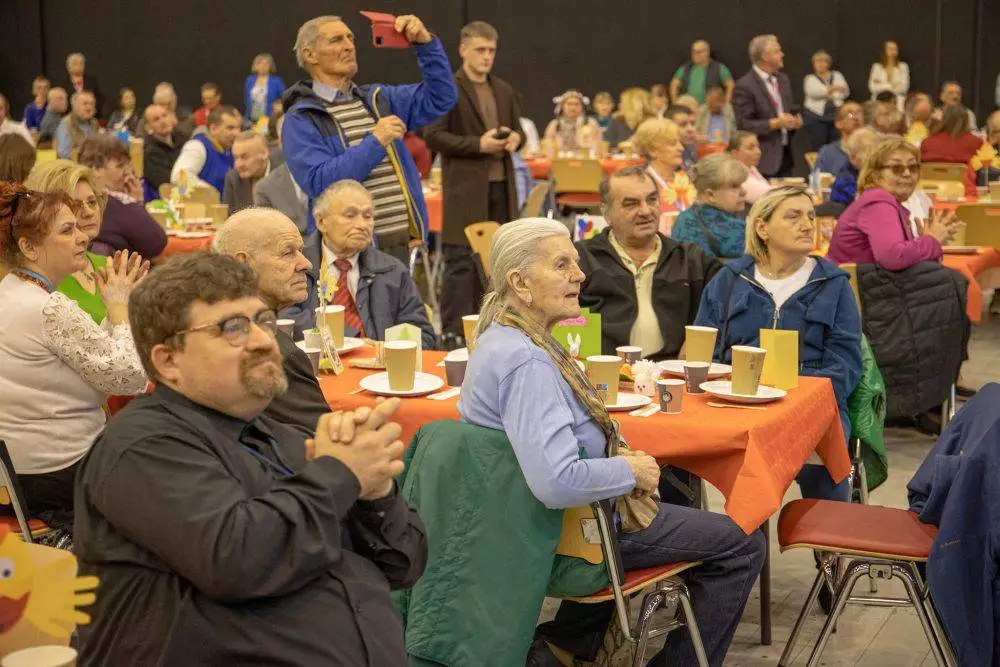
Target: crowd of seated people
[{"x": 188, "y": 503}]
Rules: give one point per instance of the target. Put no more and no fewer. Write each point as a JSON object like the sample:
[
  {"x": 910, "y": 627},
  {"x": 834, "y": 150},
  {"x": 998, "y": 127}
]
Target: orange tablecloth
[
  {"x": 953, "y": 205},
  {"x": 540, "y": 166},
  {"x": 752, "y": 457},
  {"x": 435, "y": 216},
  {"x": 179, "y": 246},
  {"x": 983, "y": 271}
]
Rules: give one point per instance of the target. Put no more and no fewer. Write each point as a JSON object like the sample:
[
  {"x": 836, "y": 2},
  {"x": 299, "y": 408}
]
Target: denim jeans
[
  {"x": 815, "y": 482},
  {"x": 731, "y": 561}
]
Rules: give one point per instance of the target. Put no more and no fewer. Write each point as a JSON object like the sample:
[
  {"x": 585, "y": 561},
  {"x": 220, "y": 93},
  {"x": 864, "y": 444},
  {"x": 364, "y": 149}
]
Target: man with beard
[
  {"x": 646, "y": 286},
  {"x": 221, "y": 536},
  {"x": 268, "y": 242}
]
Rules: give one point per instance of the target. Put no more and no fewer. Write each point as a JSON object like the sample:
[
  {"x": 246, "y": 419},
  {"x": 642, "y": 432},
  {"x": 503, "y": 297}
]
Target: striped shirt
[{"x": 391, "y": 214}]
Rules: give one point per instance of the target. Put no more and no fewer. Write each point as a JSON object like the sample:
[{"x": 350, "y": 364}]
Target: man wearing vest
[
  {"x": 700, "y": 74},
  {"x": 335, "y": 129},
  {"x": 208, "y": 157}
]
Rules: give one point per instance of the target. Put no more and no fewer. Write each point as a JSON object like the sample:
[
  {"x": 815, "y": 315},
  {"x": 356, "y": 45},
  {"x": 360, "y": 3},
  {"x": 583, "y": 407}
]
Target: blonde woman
[
  {"x": 571, "y": 130},
  {"x": 658, "y": 142},
  {"x": 261, "y": 88},
  {"x": 634, "y": 106}
]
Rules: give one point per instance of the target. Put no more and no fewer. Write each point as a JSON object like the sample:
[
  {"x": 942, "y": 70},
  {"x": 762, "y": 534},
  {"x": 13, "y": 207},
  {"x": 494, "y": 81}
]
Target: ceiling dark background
[{"x": 545, "y": 47}]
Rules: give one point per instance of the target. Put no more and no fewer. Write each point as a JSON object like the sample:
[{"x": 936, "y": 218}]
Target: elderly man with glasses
[{"x": 231, "y": 536}]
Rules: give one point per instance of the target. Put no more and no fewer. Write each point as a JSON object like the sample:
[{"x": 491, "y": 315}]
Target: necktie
[
  {"x": 342, "y": 297},
  {"x": 775, "y": 95}
]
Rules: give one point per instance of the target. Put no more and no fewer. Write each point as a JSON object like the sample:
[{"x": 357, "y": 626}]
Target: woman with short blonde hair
[
  {"x": 715, "y": 222},
  {"x": 635, "y": 105},
  {"x": 658, "y": 141}
]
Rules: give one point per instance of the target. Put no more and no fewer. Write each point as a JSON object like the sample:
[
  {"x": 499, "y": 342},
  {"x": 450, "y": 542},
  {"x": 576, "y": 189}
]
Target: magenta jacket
[{"x": 875, "y": 229}]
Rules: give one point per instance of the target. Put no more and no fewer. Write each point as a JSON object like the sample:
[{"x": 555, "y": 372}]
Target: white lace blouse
[{"x": 57, "y": 368}]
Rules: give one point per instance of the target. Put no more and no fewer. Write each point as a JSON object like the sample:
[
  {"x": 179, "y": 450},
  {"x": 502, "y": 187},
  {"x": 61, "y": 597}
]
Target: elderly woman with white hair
[
  {"x": 715, "y": 222},
  {"x": 521, "y": 381},
  {"x": 571, "y": 129},
  {"x": 261, "y": 88}
]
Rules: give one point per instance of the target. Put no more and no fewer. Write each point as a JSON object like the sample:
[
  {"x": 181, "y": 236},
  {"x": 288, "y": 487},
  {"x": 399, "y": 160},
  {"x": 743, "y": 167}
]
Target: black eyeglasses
[
  {"x": 900, "y": 169},
  {"x": 236, "y": 330}
]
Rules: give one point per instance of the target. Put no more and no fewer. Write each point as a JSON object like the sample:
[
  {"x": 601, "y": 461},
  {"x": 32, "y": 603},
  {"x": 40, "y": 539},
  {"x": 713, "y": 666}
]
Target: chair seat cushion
[
  {"x": 639, "y": 579},
  {"x": 578, "y": 199},
  {"x": 36, "y": 526},
  {"x": 871, "y": 530}
]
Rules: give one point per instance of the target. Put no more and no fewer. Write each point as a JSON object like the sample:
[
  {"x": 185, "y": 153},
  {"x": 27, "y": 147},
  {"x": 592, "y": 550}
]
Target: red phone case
[{"x": 384, "y": 35}]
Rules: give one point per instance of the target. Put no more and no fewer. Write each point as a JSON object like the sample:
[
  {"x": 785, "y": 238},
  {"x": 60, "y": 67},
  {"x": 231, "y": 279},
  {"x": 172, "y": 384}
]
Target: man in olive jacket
[
  {"x": 477, "y": 170},
  {"x": 646, "y": 286}
]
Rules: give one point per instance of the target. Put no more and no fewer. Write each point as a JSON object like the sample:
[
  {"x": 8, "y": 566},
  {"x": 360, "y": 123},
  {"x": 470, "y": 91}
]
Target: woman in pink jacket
[{"x": 876, "y": 228}]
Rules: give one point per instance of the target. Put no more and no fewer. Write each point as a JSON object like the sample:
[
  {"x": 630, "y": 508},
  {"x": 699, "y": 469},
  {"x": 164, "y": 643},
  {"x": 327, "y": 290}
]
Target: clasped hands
[{"x": 645, "y": 469}]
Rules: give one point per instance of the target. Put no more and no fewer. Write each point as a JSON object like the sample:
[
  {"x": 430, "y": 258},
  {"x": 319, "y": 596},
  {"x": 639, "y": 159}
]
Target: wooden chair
[
  {"x": 535, "y": 206},
  {"x": 135, "y": 152},
  {"x": 165, "y": 191},
  {"x": 479, "y": 235},
  {"x": 661, "y": 587},
  {"x": 942, "y": 171},
  {"x": 577, "y": 182},
  {"x": 811, "y": 159},
  {"x": 204, "y": 194},
  {"x": 982, "y": 224}
]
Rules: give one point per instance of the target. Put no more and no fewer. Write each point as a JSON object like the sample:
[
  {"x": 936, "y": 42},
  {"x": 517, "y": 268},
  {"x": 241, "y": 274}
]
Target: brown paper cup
[
  {"x": 332, "y": 319},
  {"x": 629, "y": 353},
  {"x": 314, "y": 354},
  {"x": 469, "y": 324},
  {"x": 603, "y": 372},
  {"x": 288, "y": 326},
  {"x": 670, "y": 393},
  {"x": 699, "y": 343},
  {"x": 401, "y": 364},
  {"x": 696, "y": 373},
  {"x": 748, "y": 362}
]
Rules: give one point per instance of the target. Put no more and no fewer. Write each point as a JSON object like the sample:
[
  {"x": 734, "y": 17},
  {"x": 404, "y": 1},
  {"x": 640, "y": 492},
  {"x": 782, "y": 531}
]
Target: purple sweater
[
  {"x": 129, "y": 227},
  {"x": 875, "y": 229}
]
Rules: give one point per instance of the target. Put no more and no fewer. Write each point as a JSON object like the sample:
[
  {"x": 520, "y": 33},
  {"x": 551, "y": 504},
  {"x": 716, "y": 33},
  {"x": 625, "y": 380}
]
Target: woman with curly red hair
[{"x": 59, "y": 366}]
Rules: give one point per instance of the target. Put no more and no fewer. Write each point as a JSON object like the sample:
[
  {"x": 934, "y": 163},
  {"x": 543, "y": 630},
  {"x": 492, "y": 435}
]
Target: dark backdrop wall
[{"x": 545, "y": 47}]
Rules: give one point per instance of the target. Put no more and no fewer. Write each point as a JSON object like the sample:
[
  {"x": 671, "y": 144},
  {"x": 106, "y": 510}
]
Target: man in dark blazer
[
  {"x": 762, "y": 101},
  {"x": 77, "y": 80},
  {"x": 477, "y": 169}
]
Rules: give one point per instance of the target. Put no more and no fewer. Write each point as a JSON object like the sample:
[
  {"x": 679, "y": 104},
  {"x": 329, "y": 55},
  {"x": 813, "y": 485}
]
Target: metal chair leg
[
  {"x": 786, "y": 655},
  {"x": 948, "y": 407},
  {"x": 850, "y": 578},
  {"x": 650, "y": 603},
  {"x": 765, "y": 588},
  {"x": 692, "y": 626},
  {"x": 916, "y": 597}
]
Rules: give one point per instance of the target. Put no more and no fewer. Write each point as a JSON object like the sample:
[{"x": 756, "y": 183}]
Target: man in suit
[
  {"x": 477, "y": 169},
  {"x": 278, "y": 190},
  {"x": 251, "y": 163},
  {"x": 78, "y": 81},
  {"x": 762, "y": 101}
]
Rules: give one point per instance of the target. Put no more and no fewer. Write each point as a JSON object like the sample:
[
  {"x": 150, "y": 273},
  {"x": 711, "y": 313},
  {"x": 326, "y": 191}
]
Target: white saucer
[
  {"x": 350, "y": 345},
  {"x": 424, "y": 383},
  {"x": 724, "y": 389},
  {"x": 192, "y": 235},
  {"x": 628, "y": 401},
  {"x": 676, "y": 367}
]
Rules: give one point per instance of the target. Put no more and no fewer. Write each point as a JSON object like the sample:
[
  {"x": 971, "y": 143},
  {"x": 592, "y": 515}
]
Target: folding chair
[
  {"x": 577, "y": 182},
  {"x": 660, "y": 582},
  {"x": 536, "y": 205},
  {"x": 982, "y": 224},
  {"x": 479, "y": 235},
  {"x": 881, "y": 542},
  {"x": 10, "y": 494},
  {"x": 419, "y": 249}
]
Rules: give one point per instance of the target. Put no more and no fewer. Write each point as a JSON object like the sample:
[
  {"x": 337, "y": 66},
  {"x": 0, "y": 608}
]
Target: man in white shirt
[
  {"x": 374, "y": 287},
  {"x": 251, "y": 163},
  {"x": 207, "y": 158},
  {"x": 10, "y": 126}
]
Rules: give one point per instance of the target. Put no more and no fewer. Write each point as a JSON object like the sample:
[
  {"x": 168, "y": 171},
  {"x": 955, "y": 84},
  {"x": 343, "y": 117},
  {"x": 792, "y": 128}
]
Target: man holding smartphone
[{"x": 475, "y": 140}]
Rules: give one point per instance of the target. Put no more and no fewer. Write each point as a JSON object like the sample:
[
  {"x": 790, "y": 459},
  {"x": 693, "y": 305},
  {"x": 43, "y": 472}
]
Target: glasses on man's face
[
  {"x": 236, "y": 330},
  {"x": 903, "y": 169}
]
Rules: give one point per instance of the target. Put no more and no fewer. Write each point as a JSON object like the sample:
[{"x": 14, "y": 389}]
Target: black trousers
[
  {"x": 818, "y": 132},
  {"x": 787, "y": 163},
  {"x": 462, "y": 290},
  {"x": 396, "y": 244},
  {"x": 49, "y": 496}
]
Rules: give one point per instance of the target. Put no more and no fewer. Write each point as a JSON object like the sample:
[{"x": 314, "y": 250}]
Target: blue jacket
[
  {"x": 275, "y": 88},
  {"x": 315, "y": 146},
  {"x": 386, "y": 295},
  {"x": 824, "y": 313},
  {"x": 956, "y": 490}
]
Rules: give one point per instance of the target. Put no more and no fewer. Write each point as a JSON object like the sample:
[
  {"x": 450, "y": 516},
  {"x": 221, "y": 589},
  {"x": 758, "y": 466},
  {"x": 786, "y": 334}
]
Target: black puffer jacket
[{"x": 916, "y": 322}]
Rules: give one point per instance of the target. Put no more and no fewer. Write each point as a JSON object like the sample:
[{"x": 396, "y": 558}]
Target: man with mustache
[
  {"x": 374, "y": 287},
  {"x": 646, "y": 286},
  {"x": 268, "y": 242},
  {"x": 220, "y": 535}
]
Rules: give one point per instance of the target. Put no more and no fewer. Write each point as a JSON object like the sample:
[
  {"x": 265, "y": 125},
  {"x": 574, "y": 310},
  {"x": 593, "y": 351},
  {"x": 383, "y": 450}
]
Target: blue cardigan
[
  {"x": 956, "y": 490},
  {"x": 823, "y": 312},
  {"x": 275, "y": 88}
]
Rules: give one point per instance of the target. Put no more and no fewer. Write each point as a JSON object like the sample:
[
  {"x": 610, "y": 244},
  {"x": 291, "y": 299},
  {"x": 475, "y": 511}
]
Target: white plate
[
  {"x": 350, "y": 344},
  {"x": 424, "y": 383},
  {"x": 676, "y": 367},
  {"x": 192, "y": 235},
  {"x": 724, "y": 389},
  {"x": 628, "y": 401}
]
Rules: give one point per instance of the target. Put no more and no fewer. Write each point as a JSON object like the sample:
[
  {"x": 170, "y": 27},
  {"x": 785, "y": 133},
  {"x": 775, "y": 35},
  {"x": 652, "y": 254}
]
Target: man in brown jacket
[{"x": 477, "y": 170}]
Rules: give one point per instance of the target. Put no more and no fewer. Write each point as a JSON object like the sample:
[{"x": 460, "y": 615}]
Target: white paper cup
[
  {"x": 313, "y": 338},
  {"x": 41, "y": 656}
]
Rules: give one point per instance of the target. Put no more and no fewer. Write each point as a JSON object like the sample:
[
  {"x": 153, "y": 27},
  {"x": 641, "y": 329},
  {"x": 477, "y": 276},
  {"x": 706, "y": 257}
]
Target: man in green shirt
[{"x": 701, "y": 73}]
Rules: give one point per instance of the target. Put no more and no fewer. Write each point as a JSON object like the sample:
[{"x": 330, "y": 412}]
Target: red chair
[{"x": 881, "y": 542}]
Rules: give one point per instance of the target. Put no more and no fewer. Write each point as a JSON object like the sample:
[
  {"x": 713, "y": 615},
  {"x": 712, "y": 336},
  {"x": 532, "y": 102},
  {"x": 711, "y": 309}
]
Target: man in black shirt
[
  {"x": 161, "y": 146},
  {"x": 220, "y": 536},
  {"x": 270, "y": 244}
]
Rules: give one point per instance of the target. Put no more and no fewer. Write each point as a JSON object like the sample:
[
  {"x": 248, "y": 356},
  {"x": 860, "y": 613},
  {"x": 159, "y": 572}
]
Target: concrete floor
[{"x": 866, "y": 636}]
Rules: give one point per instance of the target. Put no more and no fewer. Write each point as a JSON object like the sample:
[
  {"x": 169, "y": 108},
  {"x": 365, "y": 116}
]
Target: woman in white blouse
[
  {"x": 825, "y": 90},
  {"x": 890, "y": 74},
  {"x": 58, "y": 365}
]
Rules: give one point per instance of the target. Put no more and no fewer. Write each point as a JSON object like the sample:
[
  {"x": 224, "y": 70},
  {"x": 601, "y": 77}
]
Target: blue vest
[{"x": 217, "y": 164}]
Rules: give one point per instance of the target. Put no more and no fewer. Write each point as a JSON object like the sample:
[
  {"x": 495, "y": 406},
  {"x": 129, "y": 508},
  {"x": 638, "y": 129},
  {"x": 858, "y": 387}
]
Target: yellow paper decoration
[
  {"x": 680, "y": 191},
  {"x": 985, "y": 156},
  {"x": 781, "y": 363},
  {"x": 917, "y": 133}
]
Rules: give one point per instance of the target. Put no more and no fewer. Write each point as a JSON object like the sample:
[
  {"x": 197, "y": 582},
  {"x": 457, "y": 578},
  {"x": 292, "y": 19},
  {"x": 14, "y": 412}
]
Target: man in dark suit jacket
[
  {"x": 251, "y": 163},
  {"x": 762, "y": 101},
  {"x": 477, "y": 170},
  {"x": 76, "y": 80}
]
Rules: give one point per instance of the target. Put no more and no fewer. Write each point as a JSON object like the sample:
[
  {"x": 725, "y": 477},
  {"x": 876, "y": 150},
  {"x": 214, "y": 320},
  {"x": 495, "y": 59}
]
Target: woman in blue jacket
[
  {"x": 262, "y": 88},
  {"x": 778, "y": 285}
]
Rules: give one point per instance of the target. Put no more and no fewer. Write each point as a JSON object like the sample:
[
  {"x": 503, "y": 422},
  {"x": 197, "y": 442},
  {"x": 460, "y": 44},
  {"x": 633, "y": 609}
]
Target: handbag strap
[{"x": 713, "y": 243}]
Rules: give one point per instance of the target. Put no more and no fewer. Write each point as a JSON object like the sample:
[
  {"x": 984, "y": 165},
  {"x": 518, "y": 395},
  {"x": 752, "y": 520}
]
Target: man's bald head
[{"x": 268, "y": 241}]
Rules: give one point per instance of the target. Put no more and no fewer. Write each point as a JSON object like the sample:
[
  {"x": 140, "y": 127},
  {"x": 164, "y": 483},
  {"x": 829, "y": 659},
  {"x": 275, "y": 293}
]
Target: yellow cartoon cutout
[{"x": 40, "y": 594}]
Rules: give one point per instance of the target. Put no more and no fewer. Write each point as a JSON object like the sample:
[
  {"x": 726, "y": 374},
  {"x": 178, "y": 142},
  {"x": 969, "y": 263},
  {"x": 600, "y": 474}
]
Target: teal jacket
[{"x": 492, "y": 551}]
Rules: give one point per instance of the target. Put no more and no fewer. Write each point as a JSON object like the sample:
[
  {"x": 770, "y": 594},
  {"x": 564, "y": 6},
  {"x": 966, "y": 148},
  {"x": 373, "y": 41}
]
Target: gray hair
[
  {"x": 717, "y": 171},
  {"x": 75, "y": 55},
  {"x": 164, "y": 88},
  {"x": 863, "y": 137},
  {"x": 250, "y": 135},
  {"x": 307, "y": 36},
  {"x": 758, "y": 45},
  {"x": 631, "y": 171},
  {"x": 514, "y": 247},
  {"x": 324, "y": 202},
  {"x": 240, "y": 232},
  {"x": 265, "y": 56},
  {"x": 80, "y": 93}
]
